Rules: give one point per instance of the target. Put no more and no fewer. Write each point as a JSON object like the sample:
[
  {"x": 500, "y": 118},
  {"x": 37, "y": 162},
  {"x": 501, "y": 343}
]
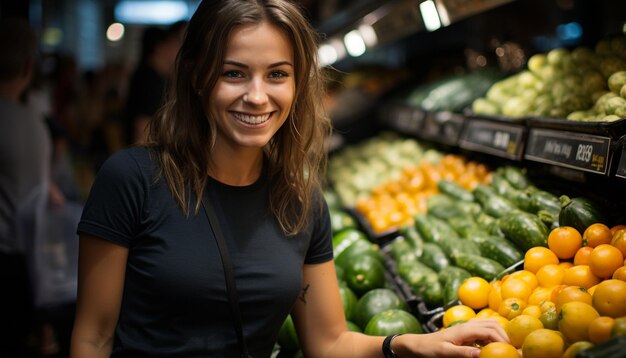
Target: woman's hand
[{"x": 456, "y": 341}]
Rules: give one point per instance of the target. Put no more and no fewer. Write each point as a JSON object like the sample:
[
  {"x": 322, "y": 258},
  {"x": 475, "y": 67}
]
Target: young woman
[{"x": 243, "y": 128}]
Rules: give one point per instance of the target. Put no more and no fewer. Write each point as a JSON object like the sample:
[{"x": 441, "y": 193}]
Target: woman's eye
[
  {"x": 279, "y": 74},
  {"x": 232, "y": 74}
]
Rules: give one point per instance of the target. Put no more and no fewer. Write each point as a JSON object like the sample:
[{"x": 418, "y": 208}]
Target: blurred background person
[
  {"x": 159, "y": 48},
  {"x": 25, "y": 157}
]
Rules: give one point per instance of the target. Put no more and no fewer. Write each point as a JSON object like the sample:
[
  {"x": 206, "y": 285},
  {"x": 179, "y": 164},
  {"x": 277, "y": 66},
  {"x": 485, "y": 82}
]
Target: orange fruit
[
  {"x": 486, "y": 312},
  {"x": 582, "y": 255},
  {"x": 546, "y": 306},
  {"x": 550, "y": 275},
  {"x": 543, "y": 343},
  {"x": 539, "y": 295},
  {"x": 609, "y": 298},
  {"x": 520, "y": 326},
  {"x": 564, "y": 241},
  {"x": 474, "y": 292},
  {"x": 572, "y": 293},
  {"x": 574, "y": 320},
  {"x": 554, "y": 294},
  {"x": 573, "y": 349},
  {"x": 580, "y": 275},
  {"x": 620, "y": 274},
  {"x": 600, "y": 329},
  {"x": 457, "y": 313},
  {"x": 511, "y": 307},
  {"x": 532, "y": 310},
  {"x": 526, "y": 276},
  {"x": 617, "y": 228},
  {"x": 592, "y": 289},
  {"x": 499, "y": 350},
  {"x": 566, "y": 264},
  {"x": 503, "y": 322},
  {"x": 597, "y": 234},
  {"x": 604, "y": 260},
  {"x": 619, "y": 241},
  {"x": 537, "y": 257},
  {"x": 495, "y": 298},
  {"x": 514, "y": 287}
]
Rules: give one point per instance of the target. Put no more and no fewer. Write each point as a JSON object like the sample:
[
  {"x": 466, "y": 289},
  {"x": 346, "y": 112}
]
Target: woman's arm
[
  {"x": 319, "y": 320},
  {"x": 101, "y": 269}
]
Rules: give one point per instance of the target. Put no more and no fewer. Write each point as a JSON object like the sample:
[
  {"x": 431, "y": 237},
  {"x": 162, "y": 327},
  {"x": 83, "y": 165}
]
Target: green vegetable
[
  {"x": 479, "y": 266},
  {"x": 499, "y": 249},
  {"x": 393, "y": 321},
  {"x": 364, "y": 274},
  {"x": 492, "y": 203},
  {"x": 524, "y": 229},
  {"x": 580, "y": 213},
  {"x": 432, "y": 229},
  {"x": 454, "y": 190},
  {"x": 376, "y": 301},
  {"x": 434, "y": 257}
]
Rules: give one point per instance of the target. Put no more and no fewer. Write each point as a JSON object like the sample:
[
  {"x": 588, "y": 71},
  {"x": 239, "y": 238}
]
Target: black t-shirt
[{"x": 175, "y": 300}]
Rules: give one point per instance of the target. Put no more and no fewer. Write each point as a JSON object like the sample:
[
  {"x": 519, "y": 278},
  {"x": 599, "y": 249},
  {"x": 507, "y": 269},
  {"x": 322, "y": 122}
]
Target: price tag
[
  {"x": 569, "y": 149},
  {"x": 503, "y": 140},
  {"x": 621, "y": 168},
  {"x": 443, "y": 127},
  {"x": 406, "y": 120}
]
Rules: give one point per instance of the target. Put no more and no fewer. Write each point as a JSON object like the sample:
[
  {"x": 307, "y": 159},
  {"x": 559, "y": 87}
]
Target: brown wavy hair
[{"x": 182, "y": 135}]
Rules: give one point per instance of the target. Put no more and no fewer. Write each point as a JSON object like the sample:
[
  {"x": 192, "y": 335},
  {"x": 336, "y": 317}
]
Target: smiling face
[{"x": 254, "y": 93}]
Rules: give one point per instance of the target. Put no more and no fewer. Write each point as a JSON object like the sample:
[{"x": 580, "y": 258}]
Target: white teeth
[{"x": 251, "y": 119}]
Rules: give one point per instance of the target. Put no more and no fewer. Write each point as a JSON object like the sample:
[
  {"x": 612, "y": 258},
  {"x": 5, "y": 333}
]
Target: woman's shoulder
[{"x": 130, "y": 161}]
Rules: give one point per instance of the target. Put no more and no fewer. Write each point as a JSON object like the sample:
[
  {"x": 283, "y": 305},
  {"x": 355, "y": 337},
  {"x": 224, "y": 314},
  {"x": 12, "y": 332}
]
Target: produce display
[
  {"x": 355, "y": 170},
  {"x": 581, "y": 84},
  {"x": 569, "y": 296},
  {"x": 454, "y": 93}
]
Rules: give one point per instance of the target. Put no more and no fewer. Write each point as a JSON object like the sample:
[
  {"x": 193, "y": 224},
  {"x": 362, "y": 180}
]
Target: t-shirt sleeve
[
  {"x": 321, "y": 245},
  {"x": 113, "y": 208}
]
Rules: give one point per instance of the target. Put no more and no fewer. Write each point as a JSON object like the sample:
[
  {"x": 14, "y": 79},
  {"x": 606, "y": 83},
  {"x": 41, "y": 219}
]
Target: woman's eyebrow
[{"x": 243, "y": 65}]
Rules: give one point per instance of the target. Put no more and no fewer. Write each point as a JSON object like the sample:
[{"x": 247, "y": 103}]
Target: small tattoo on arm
[{"x": 305, "y": 290}]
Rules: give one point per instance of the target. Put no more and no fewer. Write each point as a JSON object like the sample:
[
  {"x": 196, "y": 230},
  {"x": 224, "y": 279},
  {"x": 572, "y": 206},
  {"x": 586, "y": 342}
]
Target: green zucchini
[
  {"x": 479, "y": 266},
  {"x": 580, "y": 213},
  {"x": 524, "y": 229},
  {"x": 516, "y": 177},
  {"x": 543, "y": 200},
  {"x": 413, "y": 238},
  {"x": 434, "y": 257},
  {"x": 452, "y": 271},
  {"x": 498, "y": 249},
  {"x": 451, "y": 289},
  {"x": 453, "y": 246},
  {"x": 446, "y": 211},
  {"x": 489, "y": 224},
  {"x": 432, "y": 229},
  {"x": 492, "y": 203},
  {"x": 454, "y": 190},
  {"x": 464, "y": 226}
]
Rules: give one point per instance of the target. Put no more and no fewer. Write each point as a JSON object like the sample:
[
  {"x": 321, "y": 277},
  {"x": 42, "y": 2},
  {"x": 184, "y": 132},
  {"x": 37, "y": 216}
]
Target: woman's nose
[{"x": 256, "y": 93}]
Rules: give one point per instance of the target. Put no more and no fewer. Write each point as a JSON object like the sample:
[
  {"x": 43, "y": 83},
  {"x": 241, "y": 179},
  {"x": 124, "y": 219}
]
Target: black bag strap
[{"x": 228, "y": 275}]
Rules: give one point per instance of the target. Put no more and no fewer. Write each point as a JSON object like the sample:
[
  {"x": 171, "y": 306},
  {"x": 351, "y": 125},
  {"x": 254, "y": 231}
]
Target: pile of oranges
[
  {"x": 394, "y": 203},
  {"x": 569, "y": 296}
]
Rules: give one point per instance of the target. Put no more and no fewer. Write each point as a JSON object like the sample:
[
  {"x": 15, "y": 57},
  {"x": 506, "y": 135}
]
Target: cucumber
[
  {"x": 453, "y": 246},
  {"x": 543, "y": 200},
  {"x": 399, "y": 248},
  {"x": 489, "y": 224},
  {"x": 502, "y": 187},
  {"x": 516, "y": 177},
  {"x": 479, "y": 266},
  {"x": 454, "y": 190},
  {"x": 580, "y": 213},
  {"x": 451, "y": 289},
  {"x": 446, "y": 211},
  {"x": 452, "y": 271},
  {"x": 413, "y": 238},
  {"x": 434, "y": 257},
  {"x": 524, "y": 229},
  {"x": 464, "y": 226},
  {"x": 430, "y": 290},
  {"x": 492, "y": 203},
  {"x": 432, "y": 229},
  {"x": 499, "y": 249}
]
